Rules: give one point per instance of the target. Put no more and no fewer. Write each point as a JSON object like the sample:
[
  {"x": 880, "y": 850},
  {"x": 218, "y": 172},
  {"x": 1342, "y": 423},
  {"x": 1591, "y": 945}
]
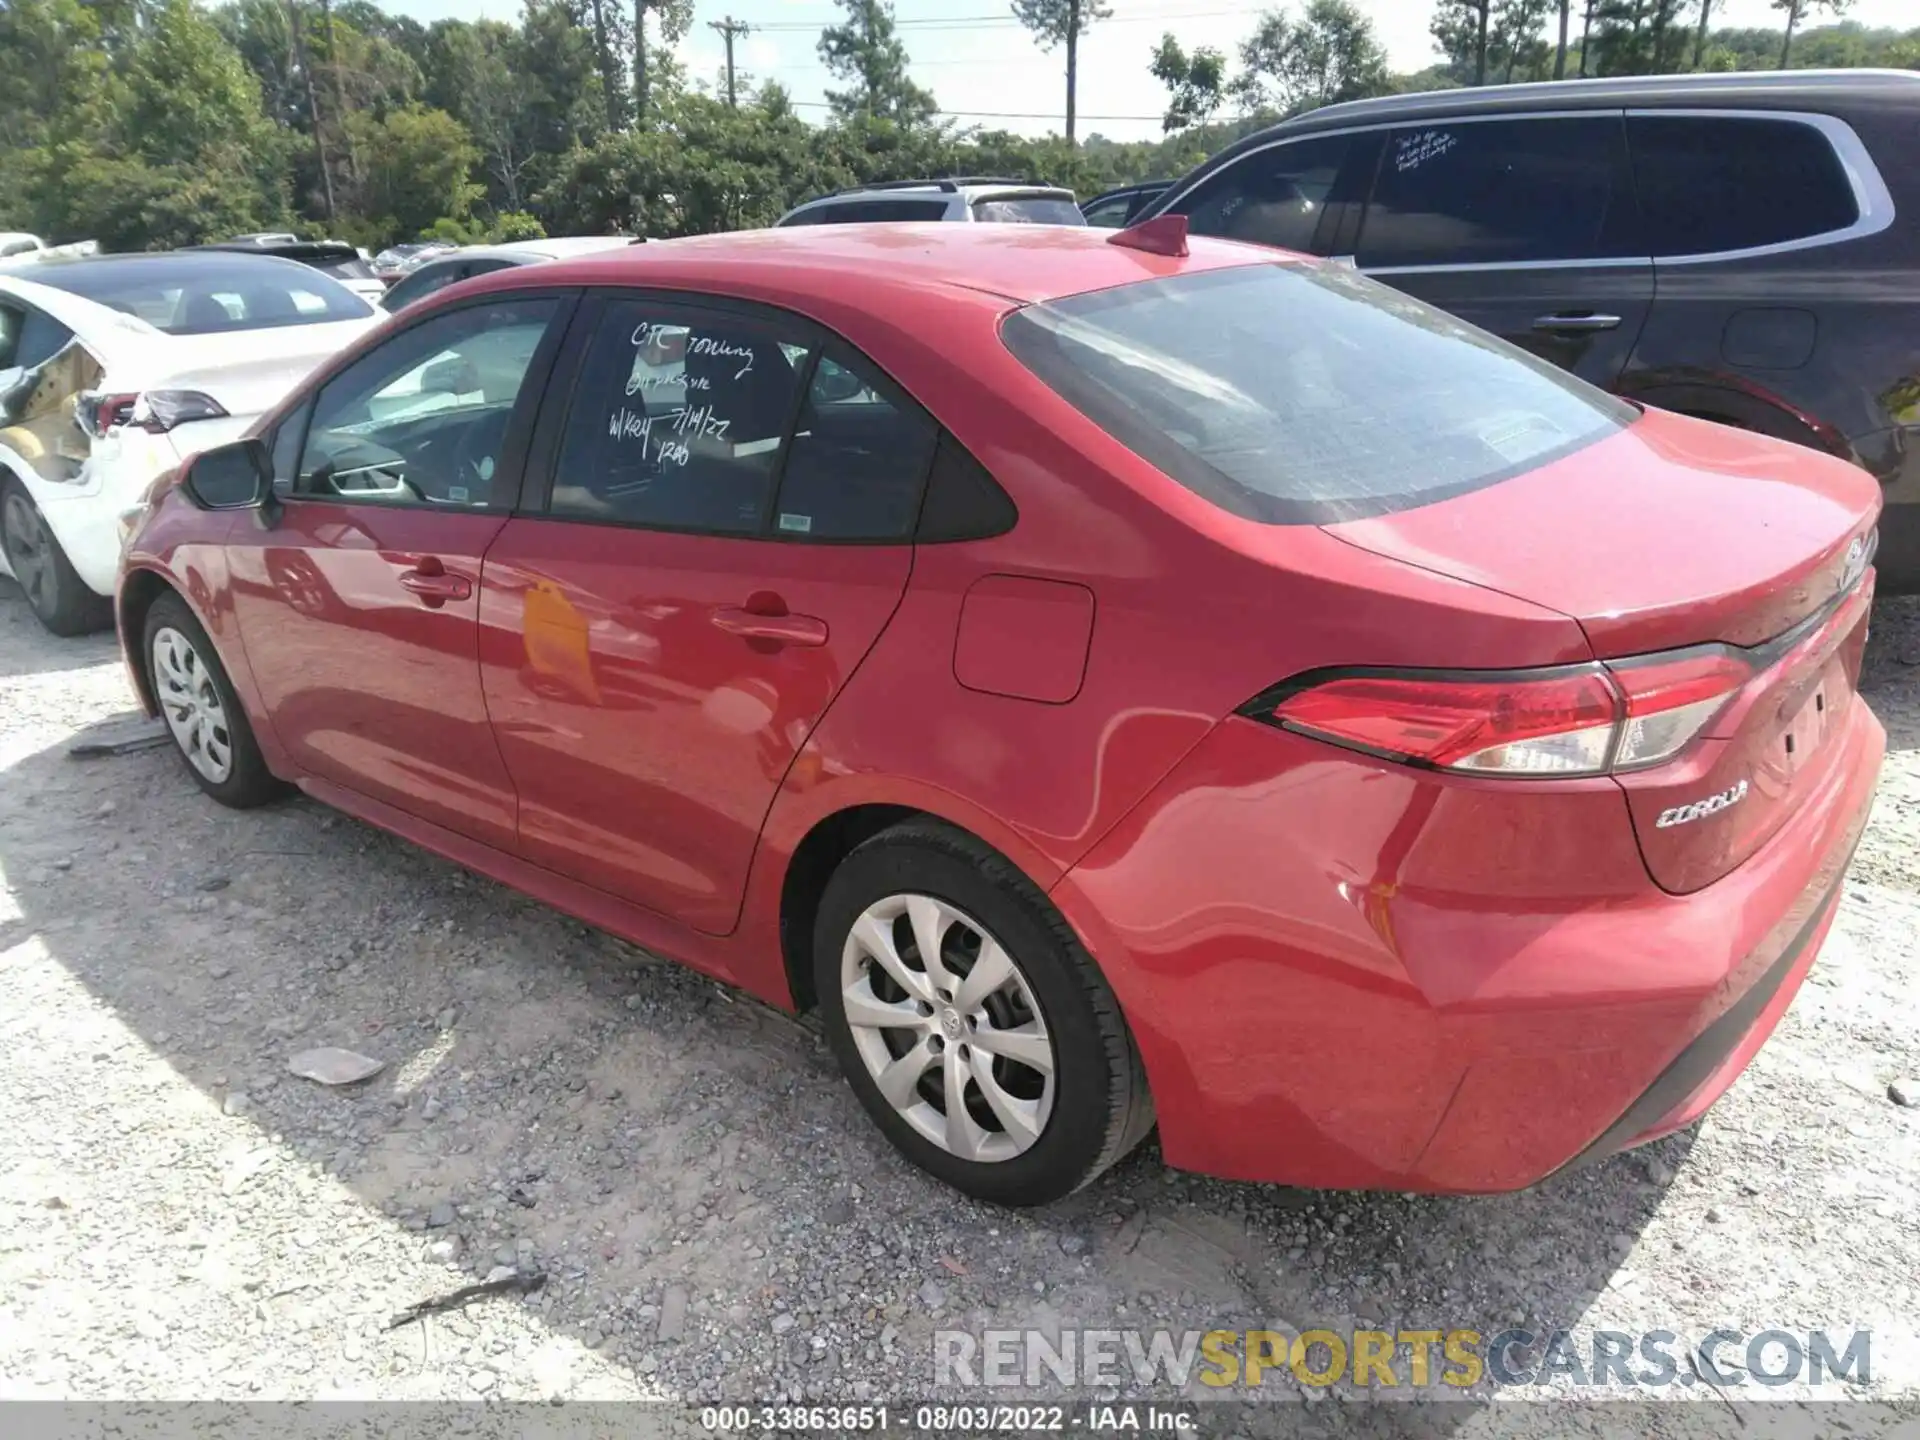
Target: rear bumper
[{"x": 1343, "y": 973}]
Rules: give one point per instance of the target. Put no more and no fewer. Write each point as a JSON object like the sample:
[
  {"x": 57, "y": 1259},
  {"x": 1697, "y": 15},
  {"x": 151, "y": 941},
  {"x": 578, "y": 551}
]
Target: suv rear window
[
  {"x": 1306, "y": 394},
  {"x": 1029, "y": 210},
  {"x": 1713, "y": 183}
]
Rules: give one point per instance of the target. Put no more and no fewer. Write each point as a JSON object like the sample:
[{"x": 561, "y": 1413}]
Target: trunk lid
[
  {"x": 247, "y": 371},
  {"x": 1670, "y": 535}
]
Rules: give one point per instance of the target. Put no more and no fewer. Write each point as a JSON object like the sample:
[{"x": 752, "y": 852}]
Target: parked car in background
[
  {"x": 437, "y": 272},
  {"x": 1115, "y": 209},
  {"x": 116, "y": 368},
  {"x": 962, "y": 198},
  {"x": 334, "y": 258},
  {"x": 397, "y": 260},
  {"x": 1721, "y": 245},
  {"x": 18, "y": 242},
  {"x": 907, "y": 680}
]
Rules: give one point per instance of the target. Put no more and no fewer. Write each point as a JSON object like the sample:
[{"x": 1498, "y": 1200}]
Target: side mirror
[{"x": 229, "y": 477}]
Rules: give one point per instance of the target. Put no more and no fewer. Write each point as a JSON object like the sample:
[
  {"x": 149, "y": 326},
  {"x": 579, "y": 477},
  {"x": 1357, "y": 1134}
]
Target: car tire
[
  {"x": 905, "y": 1036},
  {"x": 202, "y": 712},
  {"x": 58, "y": 597}
]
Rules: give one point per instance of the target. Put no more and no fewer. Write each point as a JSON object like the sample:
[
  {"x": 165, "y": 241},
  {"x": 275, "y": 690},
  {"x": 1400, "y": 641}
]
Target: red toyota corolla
[{"x": 1111, "y": 682}]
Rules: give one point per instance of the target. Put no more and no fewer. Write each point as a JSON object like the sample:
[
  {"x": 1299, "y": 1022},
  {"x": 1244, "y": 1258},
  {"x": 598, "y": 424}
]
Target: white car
[{"x": 114, "y": 370}]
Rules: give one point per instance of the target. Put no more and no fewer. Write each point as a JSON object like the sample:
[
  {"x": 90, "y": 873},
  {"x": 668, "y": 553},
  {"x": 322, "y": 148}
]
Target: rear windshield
[
  {"x": 1306, "y": 394},
  {"x": 1029, "y": 210},
  {"x": 350, "y": 268},
  {"x": 208, "y": 292}
]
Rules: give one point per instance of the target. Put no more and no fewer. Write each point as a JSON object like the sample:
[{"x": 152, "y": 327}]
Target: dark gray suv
[{"x": 1745, "y": 248}]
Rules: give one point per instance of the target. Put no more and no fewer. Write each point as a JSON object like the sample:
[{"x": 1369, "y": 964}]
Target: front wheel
[
  {"x": 58, "y": 597},
  {"x": 972, "y": 1024},
  {"x": 202, "y": 712}
]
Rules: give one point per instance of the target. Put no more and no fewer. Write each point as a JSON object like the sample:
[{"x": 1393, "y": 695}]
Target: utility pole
[
  {"x": 728, "y": 29},
  {"x": 1073, "y": 59},
  {"x": 295, "y": 25}
]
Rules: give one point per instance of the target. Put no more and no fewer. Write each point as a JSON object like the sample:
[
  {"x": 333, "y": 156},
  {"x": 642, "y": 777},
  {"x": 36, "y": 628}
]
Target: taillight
[
  {"x": 1569, "y": 720},
  {"x": 161, "y": 410},
  {"x": 1672, "y": 698},
  {"x": 100, "y": 413}
]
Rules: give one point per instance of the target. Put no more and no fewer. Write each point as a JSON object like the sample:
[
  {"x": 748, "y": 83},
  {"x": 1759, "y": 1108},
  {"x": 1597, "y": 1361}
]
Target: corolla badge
[{"x": 1700, "y": 809}]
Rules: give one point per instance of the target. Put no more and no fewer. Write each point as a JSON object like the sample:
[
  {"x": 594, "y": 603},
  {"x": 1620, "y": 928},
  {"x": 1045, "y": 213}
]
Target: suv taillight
[{"x": 1568, "y": 720}]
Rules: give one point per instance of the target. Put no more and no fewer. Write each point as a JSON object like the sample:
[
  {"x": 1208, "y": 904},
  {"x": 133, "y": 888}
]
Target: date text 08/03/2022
[{"x": 950, "y": 1419}]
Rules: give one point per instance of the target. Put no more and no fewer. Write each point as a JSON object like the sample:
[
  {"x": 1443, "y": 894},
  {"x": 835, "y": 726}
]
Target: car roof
[
  {"x": 1768, "y": 89},
  {"x": 879, "y": 264}
]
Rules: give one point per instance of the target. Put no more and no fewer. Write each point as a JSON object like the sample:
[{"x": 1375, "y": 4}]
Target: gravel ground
[{"x": 182, "y": 1218}]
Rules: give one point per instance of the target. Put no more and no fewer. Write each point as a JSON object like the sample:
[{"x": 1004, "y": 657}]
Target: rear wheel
[
  {"x": 973, "y": 1026},
  {"x": 56, "y": 594},
  {"x": 197, "y": 701}
]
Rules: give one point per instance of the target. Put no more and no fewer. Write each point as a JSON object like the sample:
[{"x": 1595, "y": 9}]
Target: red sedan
[{"x": 1113, "y": 682}]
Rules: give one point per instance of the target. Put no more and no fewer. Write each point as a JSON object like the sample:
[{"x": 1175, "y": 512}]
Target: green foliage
[
  {"x": 1196, "y": 83},
  {"x": 414, "y": 167},
  {"x": 1328, "y": 55},
  {"x": 864, "y": 52}
]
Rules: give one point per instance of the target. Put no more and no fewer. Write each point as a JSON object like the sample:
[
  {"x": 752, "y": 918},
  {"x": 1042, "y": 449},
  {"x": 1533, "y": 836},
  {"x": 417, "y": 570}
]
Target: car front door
[
  {"x": 357, "y": 591},
  {"x": 726, "y": 533},
  {"x": 1526, "y": 227}
]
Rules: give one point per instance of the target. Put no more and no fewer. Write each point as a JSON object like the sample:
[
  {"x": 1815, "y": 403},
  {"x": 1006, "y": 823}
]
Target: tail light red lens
[
  {"x": 1672, "y": 698},
  {"x": 1571, "y": 720}
]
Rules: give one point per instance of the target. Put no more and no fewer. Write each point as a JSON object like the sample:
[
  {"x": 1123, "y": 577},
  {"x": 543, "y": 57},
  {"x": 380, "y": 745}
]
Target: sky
[{"x": 985, "y": 70}]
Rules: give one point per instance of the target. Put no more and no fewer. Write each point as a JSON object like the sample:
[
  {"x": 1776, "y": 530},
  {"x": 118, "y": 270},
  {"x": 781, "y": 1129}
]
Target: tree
[
  {"x": 1515, "y": 33},
  {"x": 416, "y": 165},
  {"x": 1460, "y": 28},
  {"x": 865, "y": 52},
  {"x": 1196, "y": 83},
  {"x": 1794, "y": 10},
  {"x": 1059, "y": 22},
  {"x": 674, "y": 16},
  {"x": 1637, "y": 37},
  {"x": 1330, "y": 54}
]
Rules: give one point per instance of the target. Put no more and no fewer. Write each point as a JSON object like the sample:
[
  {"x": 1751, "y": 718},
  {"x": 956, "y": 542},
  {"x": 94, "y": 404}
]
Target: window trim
[
  {"x": 1871, "y": 198},
  {"x": 788, "y": 326},
  {"x": 515, "y": 448}
]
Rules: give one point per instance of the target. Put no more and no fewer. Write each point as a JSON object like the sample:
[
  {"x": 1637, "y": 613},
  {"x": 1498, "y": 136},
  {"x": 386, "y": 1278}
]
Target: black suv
[{"x": 1745, "y": 248}]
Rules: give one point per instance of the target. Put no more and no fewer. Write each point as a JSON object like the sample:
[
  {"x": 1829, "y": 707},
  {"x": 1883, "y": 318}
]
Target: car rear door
[
  {"x": 722, "y": 533},
  {"x": 357, "y": 589},
  {"x": 1526, "y": 226}
]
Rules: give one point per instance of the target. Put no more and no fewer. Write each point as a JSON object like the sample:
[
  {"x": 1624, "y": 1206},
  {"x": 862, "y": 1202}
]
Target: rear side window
[
  {"x": 1306, "y": 395},
  {"x": 859, "y": 459},
  {"x": 350, "y": 268},
  {"x": 1500, "y": 191},
  {"x": 1029, "y": 210},
  {"x": 1271, "y": 197},
  {"x": 1713, "y": 183}
]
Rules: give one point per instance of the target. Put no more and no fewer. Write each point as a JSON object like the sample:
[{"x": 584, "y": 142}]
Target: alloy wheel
[
  {"x": 29, "y": 551},
  {"x": 948, "y": 1027},
  {"x": 191, "y": 703}
]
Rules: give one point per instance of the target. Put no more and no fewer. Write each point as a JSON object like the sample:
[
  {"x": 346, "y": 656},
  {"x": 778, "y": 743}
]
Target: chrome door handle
[{"x": 1577, "y": 324}]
